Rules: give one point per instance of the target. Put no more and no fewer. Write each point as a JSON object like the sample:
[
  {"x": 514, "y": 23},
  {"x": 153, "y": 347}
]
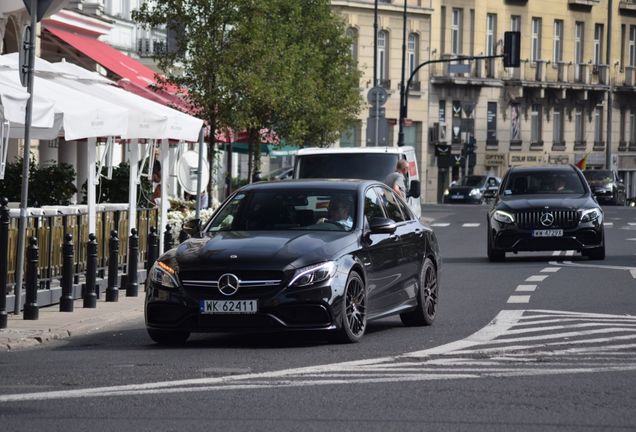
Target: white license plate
[
  {"x": 228, "y": 306},
  {"x": 457, "y": 196},
  {"x": 548, "y": 233}
]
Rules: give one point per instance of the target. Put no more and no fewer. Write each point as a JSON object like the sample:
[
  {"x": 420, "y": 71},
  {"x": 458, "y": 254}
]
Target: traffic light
[{"x": 512, "y": 49}]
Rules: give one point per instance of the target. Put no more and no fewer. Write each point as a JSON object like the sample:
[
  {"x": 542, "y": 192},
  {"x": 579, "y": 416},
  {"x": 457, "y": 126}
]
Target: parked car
[
  {"x": 470, "y": 189},
  {"x": 542, "y": 209},
  {"x": 606, "y": 186},
  {"x": 286, "y": 256}
]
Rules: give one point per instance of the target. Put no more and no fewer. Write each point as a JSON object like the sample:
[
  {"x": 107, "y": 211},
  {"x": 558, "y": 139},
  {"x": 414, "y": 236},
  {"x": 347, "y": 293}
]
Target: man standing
[{"x": 396, "y": 180}]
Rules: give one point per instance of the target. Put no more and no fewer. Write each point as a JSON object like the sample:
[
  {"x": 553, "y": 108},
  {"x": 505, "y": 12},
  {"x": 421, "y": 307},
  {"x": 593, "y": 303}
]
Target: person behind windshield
[
  {"x": 339, "y": 211},
  {"x": 396, "y": 180}
]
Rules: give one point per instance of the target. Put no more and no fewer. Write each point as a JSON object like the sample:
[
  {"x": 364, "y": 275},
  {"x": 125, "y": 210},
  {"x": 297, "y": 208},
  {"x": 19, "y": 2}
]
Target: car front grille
[
  {"x": 562, "y": 219},
  {"x": 200, "y": 284}
]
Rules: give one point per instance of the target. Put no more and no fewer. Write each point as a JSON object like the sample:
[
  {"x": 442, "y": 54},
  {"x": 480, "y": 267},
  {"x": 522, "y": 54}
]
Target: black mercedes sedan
[
  {"x": 543, "y": 209},
  {"x": 470, "y": 189},
  {"x": 326, "y": 255}
]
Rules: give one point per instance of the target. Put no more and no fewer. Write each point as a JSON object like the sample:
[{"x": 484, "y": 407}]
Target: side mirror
[
  {"x": 192, "y": 227},
  {"x": 415, "y": 189},
  {"x": 380, "y": 225}
]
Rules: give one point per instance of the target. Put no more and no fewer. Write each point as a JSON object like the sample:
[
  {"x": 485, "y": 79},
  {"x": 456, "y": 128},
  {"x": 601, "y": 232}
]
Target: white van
[{"x": 371, "y": 163}]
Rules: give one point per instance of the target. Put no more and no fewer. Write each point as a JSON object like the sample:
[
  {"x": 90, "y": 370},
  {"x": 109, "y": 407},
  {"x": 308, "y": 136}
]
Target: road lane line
[
  {"x": 440, "y": 224},
  {"x": 633, "y": 272},
  {"x": 608, "y": 224},
  {"x": 519, "y": 299},
  {"x": 536, "y": 278},
  {"x": 550, "y": 269},
  {"x": 526, "y": 288},
  {"x": 470, "y": 225}
]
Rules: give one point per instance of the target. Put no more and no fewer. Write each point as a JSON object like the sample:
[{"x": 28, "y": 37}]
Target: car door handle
[
  {"x": 418, "y": 232},
  {"x": 394, "y": 237}
]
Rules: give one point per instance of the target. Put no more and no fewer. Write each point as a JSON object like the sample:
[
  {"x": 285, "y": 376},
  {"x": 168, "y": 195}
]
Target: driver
[{"x": 339, "y": 211}]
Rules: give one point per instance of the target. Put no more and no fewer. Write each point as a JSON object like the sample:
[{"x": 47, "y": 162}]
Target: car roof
[
  {"x": 338, "y": 184},
  {"x": 552, "y": 168},
  {"x": 332, "y": 150}
]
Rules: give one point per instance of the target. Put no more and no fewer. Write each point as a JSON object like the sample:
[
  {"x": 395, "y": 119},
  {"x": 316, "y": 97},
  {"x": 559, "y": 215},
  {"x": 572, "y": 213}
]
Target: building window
[
  {"x": 352, "y": 33},
  {"x": 535, "y": 124},
  {"x": 515, "y": 23},
  {"x": 536, "y": 39},
  {"x": 413, "y": 49},
  {"x": 557, "y": 42},
  {"x": 632, "y": 128},
  {"x": 579, "y": 127},
  {"x": 578, "y": 42},
  {"x": 598, "y": 44},
  {"x": 598, "y": 126},
  {"x": 621, "y": 128},
  {"x": 456, "y": 32},
  {"x": 491, "y": 28},
  {"x": 557, "y": 125},
  {"x": 383, "y": 58},
  {"x": 632, "y": 46}
]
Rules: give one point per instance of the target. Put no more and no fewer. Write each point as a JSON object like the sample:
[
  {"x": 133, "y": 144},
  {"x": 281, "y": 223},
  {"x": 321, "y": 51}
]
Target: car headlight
[
  {"x": 446, "y": 192},
  {"x": 591, "y": 215},
  {"x": 164, "y": 275},
  {"x": 475, "y": 193},
  {"x": 313, "y": 274},
  {"x": 503, "y": 217}
]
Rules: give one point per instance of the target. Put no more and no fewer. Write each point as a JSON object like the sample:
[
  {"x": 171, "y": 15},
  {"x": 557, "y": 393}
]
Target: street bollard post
[
  {"x": 167, "y": 238},
  {"x": 151, "y": 248},
  {"x": 4, "y": 259},
  {"x": 132, "y": 287},
  {"x": 90, "y": 296},
  {"x": 112, "y": 291},
  {"x": 31, "y": 309},
  {"x": 67, "y": 301}
]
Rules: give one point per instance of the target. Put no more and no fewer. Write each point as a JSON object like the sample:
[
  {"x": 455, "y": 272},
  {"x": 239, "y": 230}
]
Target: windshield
[
  {"x": 472, "y": 181},
  {"x": 282, "y": 210},
  {"x": 543, "y": 182},
  {"x": 599, "y": 175},
  {"x": 368, "y": 166}
]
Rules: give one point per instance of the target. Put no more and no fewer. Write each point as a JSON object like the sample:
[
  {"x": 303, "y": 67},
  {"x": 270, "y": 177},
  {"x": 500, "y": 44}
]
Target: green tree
[
  {"x": 49, "y": 185},
  {"x": 283, "y": 65}
]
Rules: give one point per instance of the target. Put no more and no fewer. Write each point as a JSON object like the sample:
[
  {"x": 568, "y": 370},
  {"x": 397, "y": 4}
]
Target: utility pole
[
  {"x": 402, "y": 89},
  {"x": 610, "y": 90}
]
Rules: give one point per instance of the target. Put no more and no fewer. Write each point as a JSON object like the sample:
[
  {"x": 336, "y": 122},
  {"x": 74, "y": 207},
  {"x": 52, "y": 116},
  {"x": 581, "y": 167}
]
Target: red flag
[{"x": 583, "y": 162}]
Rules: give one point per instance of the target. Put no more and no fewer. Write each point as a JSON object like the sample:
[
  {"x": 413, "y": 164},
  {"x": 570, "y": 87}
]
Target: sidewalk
[{"x": 53, "y": 324}]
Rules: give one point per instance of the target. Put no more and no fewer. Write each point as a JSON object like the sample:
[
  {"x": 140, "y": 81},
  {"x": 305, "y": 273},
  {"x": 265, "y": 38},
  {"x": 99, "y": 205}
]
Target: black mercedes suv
[{"x": 543, "y": 209}]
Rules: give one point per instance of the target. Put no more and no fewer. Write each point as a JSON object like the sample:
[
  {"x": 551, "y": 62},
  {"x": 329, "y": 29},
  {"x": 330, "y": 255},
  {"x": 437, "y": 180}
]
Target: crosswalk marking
[
  {"x": 515, "y": 343},
  {"x": 440, "y": 224},
  {"x": 526, "y": 288},
  {"x": 470, "y": 225},
  {"x": 536, "y": 278},
  {"x": 519, "y": 299},
  {"x": 550, "y": 269}
]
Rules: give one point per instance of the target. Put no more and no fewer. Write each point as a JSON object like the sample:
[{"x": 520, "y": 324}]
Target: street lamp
[{"x": 403, "y": 92}]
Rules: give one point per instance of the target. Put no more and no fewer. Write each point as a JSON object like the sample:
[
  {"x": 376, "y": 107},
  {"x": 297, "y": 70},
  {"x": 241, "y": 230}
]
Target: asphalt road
[{"x": 540, "y": 342}]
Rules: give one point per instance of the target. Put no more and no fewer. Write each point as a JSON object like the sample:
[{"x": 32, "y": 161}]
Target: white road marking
[
  {"x": 608, "y": 224},
  {"x": 536, "y": 278},
  {"x": 556, "y": 253},
  {"x": 561, "y": 348},
  {"x": 569, "y": 253},
  {"x": 631, "y": 223},
  {"x": 633, "y": 272},
  {"x": 632, "y": 239},
  {"x": 470, "y": 225},
  {"x": 550, "y": 269},
  {"x": 440, "y": 224},
  {"x": 598, "y": 266},
  {"x": 526, "y": 288},
  {"x": 519, "y": 299}
]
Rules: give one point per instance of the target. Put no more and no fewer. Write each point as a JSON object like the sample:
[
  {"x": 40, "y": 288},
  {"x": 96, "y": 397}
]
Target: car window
[
  {"x": 372, "y": 205},
  {"x": 287, "y": 209},
  {"x": 391, "y": 206},
  {"x": 543, "y": 182}
]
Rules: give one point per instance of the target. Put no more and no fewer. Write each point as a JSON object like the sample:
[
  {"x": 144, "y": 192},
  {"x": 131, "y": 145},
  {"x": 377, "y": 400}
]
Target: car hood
[
  {"x": 462, "y": 189},
  {"x": 536, "y": 202},
  {"x": 600, "y": 183},
  {"x": 262, "y": 249}
]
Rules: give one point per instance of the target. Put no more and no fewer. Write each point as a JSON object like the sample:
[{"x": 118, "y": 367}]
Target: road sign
[
  {"x": 42, "y": 7},
  {"x": 377, "y": 95}
]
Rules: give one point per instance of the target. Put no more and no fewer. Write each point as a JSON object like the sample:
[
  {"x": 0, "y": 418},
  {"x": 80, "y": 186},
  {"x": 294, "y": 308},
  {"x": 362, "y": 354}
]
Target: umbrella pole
[{"x": 199, "y": 174}]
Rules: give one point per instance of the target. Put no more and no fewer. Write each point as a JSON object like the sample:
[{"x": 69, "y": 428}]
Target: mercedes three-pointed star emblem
[
  {"x": 229, "y": 284},
  {"x": 547, "y": 219}
]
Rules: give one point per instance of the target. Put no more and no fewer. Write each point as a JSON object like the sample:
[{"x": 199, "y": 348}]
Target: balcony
[
  {"x": 627, "y": 5},
  {"x": 589, "y": 3},
  {"x": 629, "y": 76}
]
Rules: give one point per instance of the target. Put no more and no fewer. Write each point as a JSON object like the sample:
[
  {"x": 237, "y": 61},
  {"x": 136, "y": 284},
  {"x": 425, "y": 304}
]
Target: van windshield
[{"x": 369, "y": 166}]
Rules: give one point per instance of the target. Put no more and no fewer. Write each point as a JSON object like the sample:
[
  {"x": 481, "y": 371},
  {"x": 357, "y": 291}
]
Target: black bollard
[
  {"x": 167, "y": 238},
  {"x": 90, "y": 296},
  {"x": 4, "y": 259},
  {"x": 31, "y": 309},
  {"x": 67, "y": 301},
  {"x": 112, "y": 291},
  {"x": 132, "y": 288},
  {"x": 152, "y": 248}
]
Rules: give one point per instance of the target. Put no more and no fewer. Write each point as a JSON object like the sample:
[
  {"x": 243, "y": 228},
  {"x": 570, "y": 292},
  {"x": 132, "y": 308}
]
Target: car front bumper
[{"x": 513, "y": 239}]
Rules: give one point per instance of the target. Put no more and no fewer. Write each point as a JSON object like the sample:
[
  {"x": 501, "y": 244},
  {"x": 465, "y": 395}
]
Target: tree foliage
[
  {"x": 283, "y": 65},
  {"x": 48, "y": 185}
]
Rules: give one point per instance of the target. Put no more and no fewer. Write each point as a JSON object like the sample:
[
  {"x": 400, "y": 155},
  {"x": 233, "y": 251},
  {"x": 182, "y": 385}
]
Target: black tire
[
  {"x": 427, "y": 298},
  {"x": 597, "y": 254},
  {"x": 169, "y": 337},
  {"x": 354, "y": 311},
  {"x": 494, "y": 255}
]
